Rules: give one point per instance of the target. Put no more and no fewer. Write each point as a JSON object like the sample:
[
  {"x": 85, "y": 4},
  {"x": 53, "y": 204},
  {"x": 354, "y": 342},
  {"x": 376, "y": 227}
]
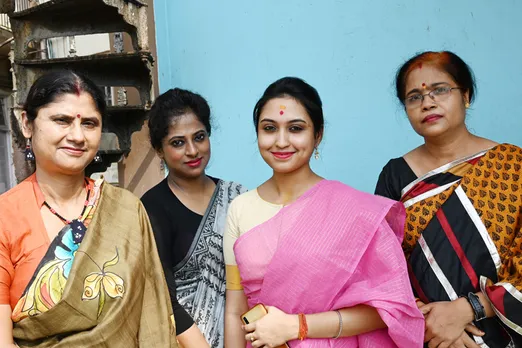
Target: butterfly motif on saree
[{"x": 102, "y": 284}]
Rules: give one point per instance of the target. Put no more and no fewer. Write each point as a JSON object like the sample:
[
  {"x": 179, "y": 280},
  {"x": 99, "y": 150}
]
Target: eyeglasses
[{"x": 437, "y": 94}]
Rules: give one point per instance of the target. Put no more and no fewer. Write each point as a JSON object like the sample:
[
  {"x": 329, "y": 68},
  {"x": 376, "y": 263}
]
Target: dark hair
[
  {"x": 47, "y": 88},
  {"x": 299, "y": 90},
  {"x": 171, "y": 104},
  {"x": 446, "y": 61}
]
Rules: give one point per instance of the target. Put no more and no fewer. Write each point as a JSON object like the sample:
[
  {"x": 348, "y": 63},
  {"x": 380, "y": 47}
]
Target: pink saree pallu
[{"x": 333, "y": 248}]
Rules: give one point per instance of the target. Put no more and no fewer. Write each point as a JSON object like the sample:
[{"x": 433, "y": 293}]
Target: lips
[
  {"x": 283, "y": 155},
  {"x": 194, "y": 163},
  {"x": 73, "y": 151},
  {"x": 431, "y": 118}
]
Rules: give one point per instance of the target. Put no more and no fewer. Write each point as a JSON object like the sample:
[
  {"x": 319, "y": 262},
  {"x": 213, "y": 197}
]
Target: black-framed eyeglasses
[{"x": 437, "y": 94}]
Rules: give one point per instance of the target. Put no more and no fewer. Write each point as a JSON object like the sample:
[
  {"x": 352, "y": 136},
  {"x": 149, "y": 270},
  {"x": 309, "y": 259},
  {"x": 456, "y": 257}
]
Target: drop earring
[
  {"x": 316, "y": 154},
  {"x": 97, "y": 158},
  {"x": 29, "y": 154}
]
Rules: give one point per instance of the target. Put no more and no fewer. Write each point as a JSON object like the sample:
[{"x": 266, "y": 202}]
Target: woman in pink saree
[{"x": 324, "y": 258}]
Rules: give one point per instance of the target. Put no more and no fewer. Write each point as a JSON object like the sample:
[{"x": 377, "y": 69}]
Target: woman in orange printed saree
[
  {"x": 78, "y": 262},
  {"x": 463, "y": 232}
]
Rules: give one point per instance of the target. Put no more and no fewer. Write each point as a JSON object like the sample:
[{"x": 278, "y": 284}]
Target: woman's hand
[
  {"x": 6, "y": 327},
  {"x": 446, "y": 323},
  {"x": 274, "y": 329},
  {"x": 464, "y": 341}
]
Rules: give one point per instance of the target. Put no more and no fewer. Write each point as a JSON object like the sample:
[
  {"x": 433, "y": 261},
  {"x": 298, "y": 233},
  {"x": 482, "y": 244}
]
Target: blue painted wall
[{"x": 229, "y": 51}]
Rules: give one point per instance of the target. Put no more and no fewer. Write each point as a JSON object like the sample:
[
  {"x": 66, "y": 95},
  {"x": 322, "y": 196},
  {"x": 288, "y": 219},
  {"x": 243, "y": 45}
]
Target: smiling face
[
  {"x": 431, "y": 118},
  {"x": 286, "y": 137},
  {"x": 186, "y": 148},
  {"x": 65, "y": 134}
]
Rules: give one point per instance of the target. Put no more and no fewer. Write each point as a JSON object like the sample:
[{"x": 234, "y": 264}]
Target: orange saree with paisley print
[{"x": 464, "y": 234}]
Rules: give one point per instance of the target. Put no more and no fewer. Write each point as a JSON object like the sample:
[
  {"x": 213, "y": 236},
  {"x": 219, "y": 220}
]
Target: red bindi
[
  {"x": 78, "y": 116},
  {"x": 281, "y": 112},
  {"x": 282, "y": 108}
]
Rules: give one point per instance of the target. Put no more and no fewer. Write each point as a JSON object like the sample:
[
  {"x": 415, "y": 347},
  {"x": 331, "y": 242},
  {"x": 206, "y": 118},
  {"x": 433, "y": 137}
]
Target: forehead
[
  {"x": 71, "y": 104},
  {"x": 427, "y": 74},
  {"x": 284, "y": 109},
  {"x": 186, "y": 123}
]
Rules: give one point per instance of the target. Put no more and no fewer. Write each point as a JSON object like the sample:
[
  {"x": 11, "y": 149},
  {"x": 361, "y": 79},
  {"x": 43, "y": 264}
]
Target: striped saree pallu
[{"x": 464, "y": 234}]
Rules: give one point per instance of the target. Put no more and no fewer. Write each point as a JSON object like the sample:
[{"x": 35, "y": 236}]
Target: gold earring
[
  {"x": 316, "y": 155},
  {"x": 467, "y": 105}
]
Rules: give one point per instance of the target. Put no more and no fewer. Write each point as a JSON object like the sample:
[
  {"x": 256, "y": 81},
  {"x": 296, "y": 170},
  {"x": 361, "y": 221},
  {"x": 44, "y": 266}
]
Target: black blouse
[
  {"x": 175, "y": 228},
  {"x": 395, "y": 176}
]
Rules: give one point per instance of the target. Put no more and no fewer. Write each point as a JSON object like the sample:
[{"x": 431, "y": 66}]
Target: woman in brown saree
[
  {"x": 463, "y": 197},
  {"x": 78, "y": 261}
]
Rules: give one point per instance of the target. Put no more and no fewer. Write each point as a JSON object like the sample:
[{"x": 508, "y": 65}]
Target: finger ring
[{"x": 252, "y": 339}]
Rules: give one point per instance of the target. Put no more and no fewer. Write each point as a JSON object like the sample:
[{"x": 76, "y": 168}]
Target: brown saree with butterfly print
[
  {"x": 464, "y": 234},
  {"x": 113, "y": 292}
]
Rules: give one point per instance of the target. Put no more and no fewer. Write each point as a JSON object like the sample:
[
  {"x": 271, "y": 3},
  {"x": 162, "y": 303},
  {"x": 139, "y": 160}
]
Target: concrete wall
[
  {"x": 230, "y": 51},
  {"x": 142, "y": 168}
]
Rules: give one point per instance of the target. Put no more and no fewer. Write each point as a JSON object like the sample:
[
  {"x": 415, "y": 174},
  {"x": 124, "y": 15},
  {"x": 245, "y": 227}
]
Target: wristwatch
[{"x": 478, "y": 308}]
